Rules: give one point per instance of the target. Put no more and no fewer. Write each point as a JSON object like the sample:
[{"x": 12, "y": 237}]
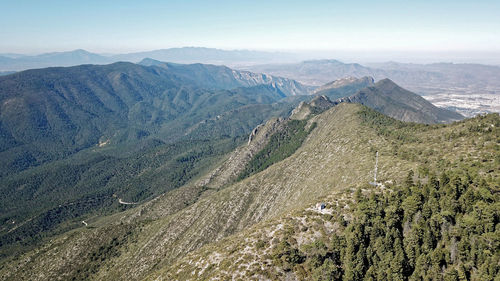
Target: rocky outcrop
[
  {"x": 222, "y": 77},
  {"x": 254, "y": 133},
  {"x": 321, "y": 102},
  {"x": 317, "y": 105},
  {"x": 343, "y": 82},
  {"x": 229, "y": 170}
]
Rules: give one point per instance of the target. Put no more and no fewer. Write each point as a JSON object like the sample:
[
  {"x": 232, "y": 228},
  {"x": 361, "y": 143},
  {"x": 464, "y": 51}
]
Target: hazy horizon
[
  {"x": 346, "y": 56},
  {"x": 458, "y": 31}
]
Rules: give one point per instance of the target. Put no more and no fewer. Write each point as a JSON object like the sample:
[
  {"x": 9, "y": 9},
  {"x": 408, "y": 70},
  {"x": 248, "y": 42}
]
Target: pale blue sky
[{"x": 123, "y": 26}]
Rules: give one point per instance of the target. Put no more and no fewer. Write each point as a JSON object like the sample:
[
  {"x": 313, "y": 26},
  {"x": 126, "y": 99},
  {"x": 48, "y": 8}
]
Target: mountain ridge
[
  {"x": 123, "y": 91},
  {"x": 228, "y": 77},
  {"x": 18, "y": 62},
  {"x": 469, "y": 89},
  {"x": 387, "y": 97},
  {"x": 334, "y": 158}
]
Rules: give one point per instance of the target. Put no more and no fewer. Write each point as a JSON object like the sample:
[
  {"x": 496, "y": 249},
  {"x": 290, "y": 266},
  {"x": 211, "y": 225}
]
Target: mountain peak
[
  {"x": 153, "y": 62},
  {"x": 390, "y": 99},
  {"x": 80, "y": 51},
  {"x": 386, "y": 82},
  {"x": 342, "y": 82},
  {"x": 322, "y": 102},
  {"x": 384, "y": 96},
  {"x": 344, "y": 87},
  {"x": 323, "y": 61}
]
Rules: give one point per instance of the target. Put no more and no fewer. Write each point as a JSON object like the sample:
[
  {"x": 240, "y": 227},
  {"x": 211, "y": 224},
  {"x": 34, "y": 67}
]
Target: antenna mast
[{"x": 374, "y": 183}]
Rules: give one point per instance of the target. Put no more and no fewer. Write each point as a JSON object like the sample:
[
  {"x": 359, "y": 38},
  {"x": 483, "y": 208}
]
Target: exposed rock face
[
  {"x": 234, "y": 165},
  {"x": 218, "y": 77},
  {"x": 321, "y": 102},
  {"x": 301, "y": 112},
  {"x": 317, "y": 105},
  {"x": 254, "y": 133}
]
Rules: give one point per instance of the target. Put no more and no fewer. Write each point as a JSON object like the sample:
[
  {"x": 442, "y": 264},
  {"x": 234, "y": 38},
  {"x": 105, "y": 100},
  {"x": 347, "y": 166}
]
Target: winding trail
[{"x": 126, "y": 203}]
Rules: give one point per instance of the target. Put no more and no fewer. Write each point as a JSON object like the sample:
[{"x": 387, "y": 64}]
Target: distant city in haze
[{"x": 361, "y": 31}]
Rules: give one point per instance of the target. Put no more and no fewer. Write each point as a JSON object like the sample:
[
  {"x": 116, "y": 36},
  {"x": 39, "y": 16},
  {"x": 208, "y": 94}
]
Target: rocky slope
[
  {"x": 344, "y": 87},
  {"x": 151, "y": 241},
  {"x": 287, "y": 247},
  {"x": 334, "y": 156}
]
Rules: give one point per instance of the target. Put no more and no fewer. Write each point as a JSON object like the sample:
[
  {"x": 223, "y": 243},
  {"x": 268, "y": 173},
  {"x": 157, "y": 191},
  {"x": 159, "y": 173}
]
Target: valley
[
  {"x": 176, "y": 178},
  {"x": 74, "y": 137}
]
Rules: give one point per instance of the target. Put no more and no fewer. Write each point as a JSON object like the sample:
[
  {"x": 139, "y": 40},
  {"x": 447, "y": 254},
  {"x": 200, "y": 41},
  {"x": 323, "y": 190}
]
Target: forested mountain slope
[
  {"x": 326, "y": 158},
  {"x": 78, "y": 107},
  {"x": 72, "y": 138}
]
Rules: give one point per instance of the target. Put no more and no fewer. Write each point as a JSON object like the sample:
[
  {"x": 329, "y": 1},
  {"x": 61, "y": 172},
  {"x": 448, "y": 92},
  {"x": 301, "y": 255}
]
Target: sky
[{"x": 405, "y": 27}]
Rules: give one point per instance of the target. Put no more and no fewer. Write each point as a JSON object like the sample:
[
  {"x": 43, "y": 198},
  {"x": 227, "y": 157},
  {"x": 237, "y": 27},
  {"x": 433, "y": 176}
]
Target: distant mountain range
[
  {"x": 217, "y": 77},
  {"x": 208, "y": 55},
  {"x": 17, "y": 62},
  {"x": 422, "y": 78},
  {"x": 76, "y": 57},
  {"x": 469, "y": 89},
  {"x": 411, "y": 76}
]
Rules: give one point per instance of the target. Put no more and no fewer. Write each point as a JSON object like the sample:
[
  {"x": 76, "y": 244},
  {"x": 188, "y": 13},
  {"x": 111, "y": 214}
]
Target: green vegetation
[
  {"x": 50, "y": 114},
  {"x": 391, "y": 128},
  {"x": 53, "y": 197},
  {"x": 72, "y": 138},
  {"x": 439, "y": 228},
  {"x": 441, "y": 221},
  {"x": 281, "y": 145},
  {"x": 343, "y": 243}
]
